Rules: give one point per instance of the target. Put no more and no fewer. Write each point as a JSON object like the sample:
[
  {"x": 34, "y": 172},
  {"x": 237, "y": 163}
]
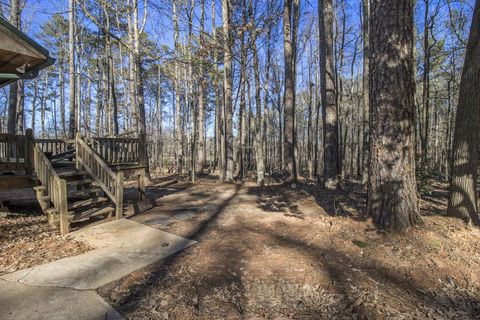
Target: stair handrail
[
  {"x": 55, "y": 187},
  {"x": 110, "y": 182}
]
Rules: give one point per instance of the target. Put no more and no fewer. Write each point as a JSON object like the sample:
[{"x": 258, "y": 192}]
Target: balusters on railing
[
  {"x": 16, "y": 152},
  {"x": 55, "y": 187},
  {"x": 89, "y": 159},
  {"x": 116, "y": 150},
  {"x": 53, "y": 146}
]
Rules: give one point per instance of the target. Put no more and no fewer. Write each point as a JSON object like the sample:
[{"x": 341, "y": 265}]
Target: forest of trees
[{"x": 381, "y": 91}]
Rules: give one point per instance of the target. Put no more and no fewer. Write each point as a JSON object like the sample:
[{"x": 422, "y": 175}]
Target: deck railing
[
  {"x": 53, "y": 146},
  {"x": 116, "y": 150},
  {"x": 55, "y": 188},
  {"x": 16, "y": 152},
  {"x": 110, "y": 182}
]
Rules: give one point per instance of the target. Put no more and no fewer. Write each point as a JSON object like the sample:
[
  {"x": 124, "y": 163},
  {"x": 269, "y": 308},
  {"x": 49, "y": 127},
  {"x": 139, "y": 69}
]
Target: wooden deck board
[{"x": 16, "y": 181}]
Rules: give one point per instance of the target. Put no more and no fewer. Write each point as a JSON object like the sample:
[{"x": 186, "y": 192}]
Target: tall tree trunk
[
  {"x": 88, "y": 104},
  {"x": 426, "y": 86},
  {"x": 218, "y": 159},
  {"x": 328, "y": 93},
  {"x": 71, "y": 69},
  {"x": 176, "y": 84},
  {"x": 448, "y": 133},
  {"x": 340, "y": 58},
  {"x": 140, "y": 108},
  {"x": 132, "y": 75},
  {"x": 34, "y": 103},
  {"x": 15, "y": 14},
  {"x": 112, "y": 95},
  {"x": 463, "y": 201},
  {"x": 159, "y": 141},
  {"x": 44, "y": 104},
  {"x": 191, "y": 103},
  {"x": 392, "y": 190},
  {"x": 266, "y": 97},
  {"x": 21, "y": 106},
  {"x": 289, "y": 98},
  {"x": 242, "y": 113},
  {"x": 20, "y": 83},
  {"x": 61, "y": 78},
  {"x": 259, "y": 152},
  {"x": 309, "y": 129},
  {"x": 228, "y": 84},
  {"x": 365, "y": 90},
  {"x": 201, "y": 97}
]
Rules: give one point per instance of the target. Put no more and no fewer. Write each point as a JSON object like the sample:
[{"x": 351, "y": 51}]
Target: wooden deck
[
  {"x": 73, "y": 179},
  {"x": 16, "y": 181},
  {"x": 16, "y": 161}
]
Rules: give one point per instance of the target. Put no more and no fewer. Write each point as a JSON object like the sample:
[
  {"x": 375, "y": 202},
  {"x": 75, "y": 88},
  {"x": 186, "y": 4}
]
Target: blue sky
[{"x": 160, "y": 28}]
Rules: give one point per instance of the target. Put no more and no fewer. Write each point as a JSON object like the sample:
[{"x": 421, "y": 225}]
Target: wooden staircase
[
  {"x": 84, "y": 201},
  {"x": 76, "y": 184}
]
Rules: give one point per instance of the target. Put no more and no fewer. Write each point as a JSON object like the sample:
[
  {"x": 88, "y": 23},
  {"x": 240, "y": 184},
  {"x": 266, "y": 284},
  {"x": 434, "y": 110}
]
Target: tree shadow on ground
[
  {"x": 348, "y": 200},
  {"x": 354, "y": 277},
  {"x": 132, "y": 301}
]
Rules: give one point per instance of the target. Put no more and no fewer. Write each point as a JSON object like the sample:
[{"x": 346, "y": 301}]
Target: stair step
[
  {"x": 62, "y": 156},
  {"x": 39, "y": 188},
  {"x": 51, "y": 210},
  {"x": 79, "y": 204},
  {"x": 79, "y": 182},
  {"x": 84, "y": 192},
  {"x": 72, "y": 173},
  {"x": 87, "y": 202},
  {"x": 44, "y": 198},
  {"x": 92, "y": 213}
]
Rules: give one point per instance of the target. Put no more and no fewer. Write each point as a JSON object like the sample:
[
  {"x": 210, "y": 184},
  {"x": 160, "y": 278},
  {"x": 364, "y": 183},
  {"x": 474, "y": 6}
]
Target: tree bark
[
  {"x": 15, "y": 14},
  {"x": 219, "y": 128},
  {"x": 176, "y": 84},
  {"x": 365, "y": 90},
  {"x": 242, "y": 112},
  {"x": 201, "y": 98},
  {"x": 289, "y": 97},
  {"x": 140, "y": 107},
  {"x": 426, "y": 87},
  {"x": 392, "y": 191},
  {"x": 44, "y": 103},
  {"x": 329, "y": 95},
  {"x": 259, "y": 152},
  {"x": 228, "y": 84},
  {"x": 463, "y": 200},
  {"x": 34, "y": 103},
  {"x": 71, "y": 69}
]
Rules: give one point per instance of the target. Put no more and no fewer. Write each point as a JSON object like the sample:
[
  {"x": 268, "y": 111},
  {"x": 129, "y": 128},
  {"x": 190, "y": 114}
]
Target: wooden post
[
  {"x": 141, "y": 186},
  {"x": 119, "y": 196},
  {"x": 29, "y": 143},
  {"x": 63, "y": 207},
  {"x": 78, "y": 166}
]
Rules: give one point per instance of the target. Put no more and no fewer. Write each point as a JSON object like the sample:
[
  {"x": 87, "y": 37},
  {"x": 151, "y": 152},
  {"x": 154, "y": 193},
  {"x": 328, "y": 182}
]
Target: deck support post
[
  {"x": 29, "y": 143},
  {"x": 78, "y": 165},
  {"x": 119, "y": 196},
  {"x": 63, "y": 207},
  {"x": 141, "y": 186}
]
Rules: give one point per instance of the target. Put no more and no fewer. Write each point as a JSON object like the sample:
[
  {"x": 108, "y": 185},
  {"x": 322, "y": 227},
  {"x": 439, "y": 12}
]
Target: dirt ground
[
  {"x": 304, "y": 253},
  {"x": 277, "y": 252},
  {"x": 26, "y": 238}
]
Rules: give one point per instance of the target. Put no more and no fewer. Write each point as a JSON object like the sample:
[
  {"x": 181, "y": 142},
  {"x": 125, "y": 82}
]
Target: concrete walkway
[
  {"x": 63, "y": 289},
  {"x": 19, "y": 301}
]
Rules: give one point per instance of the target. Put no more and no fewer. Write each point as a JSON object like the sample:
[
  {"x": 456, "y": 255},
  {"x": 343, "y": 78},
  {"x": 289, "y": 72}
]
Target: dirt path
[{"x": 303, "y": 253}]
